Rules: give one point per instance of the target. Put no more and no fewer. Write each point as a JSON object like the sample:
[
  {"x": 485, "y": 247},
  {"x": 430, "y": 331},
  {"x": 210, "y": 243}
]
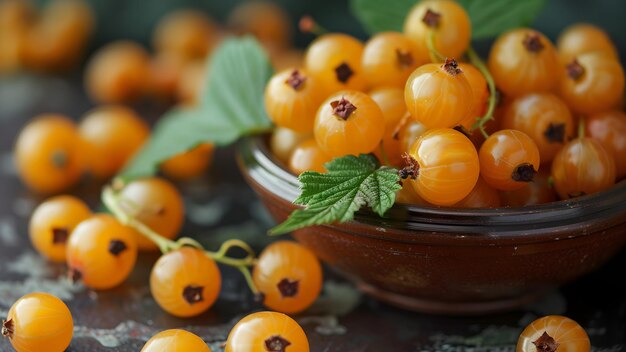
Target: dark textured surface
[{"x": 221, "y": 206}]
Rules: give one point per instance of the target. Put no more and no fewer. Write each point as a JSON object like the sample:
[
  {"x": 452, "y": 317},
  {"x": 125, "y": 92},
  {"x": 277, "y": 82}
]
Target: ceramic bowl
[{"x": 452, "y": 261}]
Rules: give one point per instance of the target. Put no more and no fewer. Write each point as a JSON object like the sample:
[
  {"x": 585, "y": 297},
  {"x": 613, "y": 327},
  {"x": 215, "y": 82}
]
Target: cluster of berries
[{"x": 554, "y": 113}]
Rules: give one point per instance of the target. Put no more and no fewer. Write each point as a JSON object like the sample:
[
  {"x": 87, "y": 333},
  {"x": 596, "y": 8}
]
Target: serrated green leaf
[
  {"x": 489, "y": 17},
  {"x": 350, "y": 183},
  {"x": 231, "y": 107}
]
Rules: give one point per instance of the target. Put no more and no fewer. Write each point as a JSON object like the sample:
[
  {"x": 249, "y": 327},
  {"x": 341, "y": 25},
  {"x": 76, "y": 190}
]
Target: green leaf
[
  {"x": 489, "y": 17},
  {"x": 350, "y": 183},
  {"x": 231, "y": 107}
]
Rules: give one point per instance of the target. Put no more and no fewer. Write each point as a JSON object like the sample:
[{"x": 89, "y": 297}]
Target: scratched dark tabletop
[{"x": 221, "y": 206}]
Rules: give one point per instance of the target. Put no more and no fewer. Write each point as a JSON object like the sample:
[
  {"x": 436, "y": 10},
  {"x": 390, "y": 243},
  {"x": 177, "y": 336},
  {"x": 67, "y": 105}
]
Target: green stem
[
  {"x": 491, "y": 107},
  {"x": 113, "y": 202},
  {"x": 435, "y": 56}
]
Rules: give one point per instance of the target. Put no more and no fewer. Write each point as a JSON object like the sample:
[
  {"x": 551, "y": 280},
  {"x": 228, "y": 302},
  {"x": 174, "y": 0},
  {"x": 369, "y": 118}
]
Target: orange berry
[
  {"x": 185, "y": 282},
  {"x": 552, "y": 333},
  {"x": 480, "y": 93},
  {"x": 166, "y": 70},
  {"x": 582, "y": 38},
  {"x": 609, "y": 128},
  {"x": 389, "y": 58},
  {"x": 482, "y": 196},
  {"x": 539, "y": 191},
  {"x": 289, "y": 275},
  {"x": 284, "y": 141},
  {"x": 39, "y": 322},
  {"x": 189, "y": 165},
  {"x": 52, "y": 223},
  {"x": 348, "y": 122},
  {"x": 157, "y": 204},
  {"x": 524, "y": 61},
  {"x": 117, "y": 73},
  {"x": 175, "y": 340},
  {"x": 101, "y": 252},
  {"x": 267, "y": 21},
  {"x": 335, "y": 60},
  {"x": 447, "y": 19},
  {"x": 112, "y": 135},
  {"x": 409, "y": 133},
  {"x": 308, "y": 156},
  {"x": 187, "y": 33},
  {"x": 267, "y": 331},
  {"x": 49, "y": 154},
  {"x": 391, "y": 103}
]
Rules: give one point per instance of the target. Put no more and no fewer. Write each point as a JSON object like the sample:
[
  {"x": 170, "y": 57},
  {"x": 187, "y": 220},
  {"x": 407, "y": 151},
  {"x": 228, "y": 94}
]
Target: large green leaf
[
  {"x": 350, "y": 183},
  {"x": 489, "y": 17},
  {"x": 231, "y": 107}
]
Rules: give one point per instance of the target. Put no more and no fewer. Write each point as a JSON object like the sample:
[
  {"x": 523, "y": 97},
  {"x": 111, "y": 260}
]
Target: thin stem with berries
[
  {"x": 113, "y": 202},
  {"x": 480, "y": 64}
]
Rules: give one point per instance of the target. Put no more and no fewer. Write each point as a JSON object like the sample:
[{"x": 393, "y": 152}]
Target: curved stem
[
  {"x": 113, "y": 202},
  {"x": 435, "y": 56},
  {"x": 491, "y": 107}
]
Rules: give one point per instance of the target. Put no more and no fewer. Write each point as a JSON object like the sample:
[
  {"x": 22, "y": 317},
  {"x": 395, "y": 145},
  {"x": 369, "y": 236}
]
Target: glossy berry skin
[
  {"x": 582, "y": 38},
  {"x": 391, "y": 103},
  {"x": 292, "y": 98},
  {"x": 189, "y": 34},
  {"x": 480, "y": 94},
  {"x": 594, "y": 83},
  {"x": 425, "y": 91},
  {"x": 156, "y": 203},
  {"x": 39, "y": 322},
  {"x": 389, "y": 58},
  {"x": 481, "y": 196},
  {"x": 609, "y": 128},
  {"x": 408, "y": 195},
  {"x": 452, "y": 33},
  {"x": 289, "y": 275},
  {"x": 117, "y": 73},
  {"x": 52, "y": 223},
  {"x": 308, "y": 156},
  {"x": 545, "y": 118},
  {"x": 112, "y": 135},
  {"x": 284, "y": 141},
  {"x": 48, "y": 154},
  {"x": 267, "y": 331},
  {"x": 185, "y": 282},
  {"x": 340, "y": 130},
  {"x": 101, "y": 252},
  {"x": 189, "y": 165},
  {"x": 409, "y": 133},
  {"x": 448, "y": 166},
  {"x": 582, "y": 167},
  {"x": 565, "y": 332},
  {"x": 508, "y": 159},
  {"x": 175, "y": 340},
  {"x": 524, "y": 61},
  {"x": 539, "y": 191},
  {"x": 335, "y": 60}
]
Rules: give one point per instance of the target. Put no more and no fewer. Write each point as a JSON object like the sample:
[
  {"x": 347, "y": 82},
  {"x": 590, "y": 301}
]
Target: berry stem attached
[
  {"x": 435, "y": 56},
  {"x": 491, "y": 107},
  {"x": 112, "y": 201}
]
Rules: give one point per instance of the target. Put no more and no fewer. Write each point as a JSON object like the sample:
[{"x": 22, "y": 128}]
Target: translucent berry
[
  {"x": 582, "y": 167},
  {"x": 175, "y": 340},
  {"x": 52, "y": 223},
  {"x": 409, "y": 133},
  {"x": 308, "y": 156},
  {"x": 480, "y": 94},
  {"x": 545, "y": 118},
  {"x": 449, "y": 21},
  {"x": 289, "y": 275},
  {"x": 112, "y": 135},
  {"x": 553, "y": 333},
  {"x": 524, "y": 61},
  {"x": 292, "y": 98},
  {"x": 582, "y": 38},
  {"x": 539, "y": 191},
  {"x": 609, "y": 128},
  {"x": 284, "y": 141},
  {"x": 101, "y": 252},
  {"x": 267, "y": 331},
  {"x": 482, "y": 196},
  {"x": 594, "y": 82},
  {"x": 49, "y": 154},
  {"x": 389, "y": 58},
  {"x": 442, "y": 165},
  {"x": 438, "y": 95},
  {"x": 157, "y": 204},
  {"x": 349, "y": 122},
  {"x": 335, "y": 60},
  {"x": 508, "y": 160},
  {"x": 391, "y": 103},
  {"x": 185, "y": 282},
  {"x": 189, "y": 165},
  {"x": 39, "y": 322}
]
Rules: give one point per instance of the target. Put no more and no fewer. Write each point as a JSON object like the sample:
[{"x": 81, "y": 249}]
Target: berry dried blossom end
[
  {"x": 555, "y": 133},
  {"x": 60, "y": 235},
  {"x": 431, "y": 18},
  {"x": 8, "y": 328},
  {"x": 524, "y": 173},
  {"x": 342, "y": 108},
  {"x": 451, "y": 66},
  {"x": 411, "y": 167},
  {"x": 296, "y": 80},
  {"x": 405, "y": 59},
  {"x": 545, "y": 343},
  {"x": 575, "y": 70},
  {"x": 532, "y": 42},
  {"x": 193, "y": 294},
  {"x": 116, "y": 247},
  {"x": 288, "y": 288},
  {"x": 343, "y": 72},
  {"x": 276, "y": 343}
]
